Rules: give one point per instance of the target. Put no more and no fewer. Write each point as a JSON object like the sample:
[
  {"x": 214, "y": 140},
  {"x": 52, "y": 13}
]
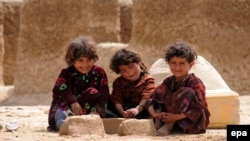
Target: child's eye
[
  {"x": 131, "y": 66},
  {"x": 122, "y": 71},
  {"x": 182, "y": 63},
  {"x": 90, "y": 59},
  {"x": 172, "y": 63}
]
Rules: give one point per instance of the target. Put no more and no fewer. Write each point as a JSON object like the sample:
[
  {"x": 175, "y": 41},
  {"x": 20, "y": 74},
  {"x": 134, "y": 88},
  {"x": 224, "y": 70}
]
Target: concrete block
[{"x": 224, "y": 107}]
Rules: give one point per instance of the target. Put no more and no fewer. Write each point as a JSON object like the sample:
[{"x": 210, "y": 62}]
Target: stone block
[
  {"x": 224, "y": 107},
  {"x": 140, "y": 127},
  {"x": 82, "y": 125}
]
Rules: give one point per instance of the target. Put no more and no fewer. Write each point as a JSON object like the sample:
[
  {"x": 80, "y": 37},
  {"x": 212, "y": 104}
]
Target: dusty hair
[
  {"x": 125, "y": 57},
  {"x": 181, "y": 49},
  {"x": 82, "y": 46}
]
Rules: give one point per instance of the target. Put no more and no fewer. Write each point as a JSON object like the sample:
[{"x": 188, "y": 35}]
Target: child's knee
[{"x": 60, "y": 114}]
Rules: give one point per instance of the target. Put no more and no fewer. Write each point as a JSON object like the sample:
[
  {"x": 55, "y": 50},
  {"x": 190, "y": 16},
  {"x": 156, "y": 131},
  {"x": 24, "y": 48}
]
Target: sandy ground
[{"x": 32, "y": 122}]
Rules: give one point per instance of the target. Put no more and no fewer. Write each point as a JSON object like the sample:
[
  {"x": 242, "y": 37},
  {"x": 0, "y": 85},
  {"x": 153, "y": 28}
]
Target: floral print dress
[{"x": 90, "y": 90}]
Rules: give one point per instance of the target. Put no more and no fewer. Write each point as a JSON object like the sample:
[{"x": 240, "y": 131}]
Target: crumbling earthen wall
[
  {"x": 46, "y": 29},
  {"x": 1, "y": 45},
  {"x": 11, "y": 22},
  {"x": 219, "y": 29},
  {"x": 126, "y": 20}
]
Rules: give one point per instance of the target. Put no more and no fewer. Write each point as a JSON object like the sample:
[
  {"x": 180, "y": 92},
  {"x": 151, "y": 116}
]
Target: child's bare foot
[
  {"x": 165, "y": 129},
  {"x": 158, "y": 124}
]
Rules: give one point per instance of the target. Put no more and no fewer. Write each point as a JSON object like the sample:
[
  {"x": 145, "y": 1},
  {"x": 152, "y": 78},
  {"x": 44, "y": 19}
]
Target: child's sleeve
[
  {"x": 149, "y": 88},
  {"x": 116, "y": 96},
  {"x": 62, "y": 88},
  {"x": 104, "y": 88},
  {"x": 198, "y": 104}
]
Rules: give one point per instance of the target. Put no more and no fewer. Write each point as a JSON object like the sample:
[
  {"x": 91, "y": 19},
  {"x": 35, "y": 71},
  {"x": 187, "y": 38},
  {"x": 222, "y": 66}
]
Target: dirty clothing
[
  {"x": 129, "y": 94},
  {"x": 90, "y": 90},
  {"x": 188, "y": 97}
]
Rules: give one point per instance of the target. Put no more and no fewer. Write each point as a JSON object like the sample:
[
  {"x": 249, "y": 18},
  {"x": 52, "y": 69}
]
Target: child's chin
[
  {"x": 132, "y": 79},
  {"x": 84, "y": 72}
]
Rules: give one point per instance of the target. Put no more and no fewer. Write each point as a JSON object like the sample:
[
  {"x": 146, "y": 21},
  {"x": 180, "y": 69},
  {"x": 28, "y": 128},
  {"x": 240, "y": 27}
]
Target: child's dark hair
[
  {"x": 125, "y": 57},
  {"x": 181, "y": 49},
  {"x": 83, "y": 46}
]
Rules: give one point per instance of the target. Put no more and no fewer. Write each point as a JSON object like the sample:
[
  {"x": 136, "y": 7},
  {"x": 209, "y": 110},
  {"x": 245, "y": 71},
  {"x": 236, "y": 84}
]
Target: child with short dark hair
[
  {"x": 133, "y": 88},
  {"x": 82, "y": 87},
  {"x": 179, "y": 103}
]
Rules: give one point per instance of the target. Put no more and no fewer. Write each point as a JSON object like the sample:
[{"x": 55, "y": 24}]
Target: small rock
[{"x": 11, "y": 126}]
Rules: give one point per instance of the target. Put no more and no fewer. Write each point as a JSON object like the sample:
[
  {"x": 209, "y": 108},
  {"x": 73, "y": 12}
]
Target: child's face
[
  {"x": 84, "y": 64},
  {"x": 179, "y": 67},
  {"x": 130, "y": 72}
]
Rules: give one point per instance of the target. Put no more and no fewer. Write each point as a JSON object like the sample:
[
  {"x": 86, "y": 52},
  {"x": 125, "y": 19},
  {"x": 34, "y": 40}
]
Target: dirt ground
[{"x": 32, "y": 122}]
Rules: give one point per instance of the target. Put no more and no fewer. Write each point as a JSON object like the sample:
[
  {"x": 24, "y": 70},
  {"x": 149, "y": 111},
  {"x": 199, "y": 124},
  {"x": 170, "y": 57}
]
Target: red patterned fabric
[
  {"x": 130, "y": 94},
  {"x": 188, "y": 97},
  {"x": 89, "y": 90}
]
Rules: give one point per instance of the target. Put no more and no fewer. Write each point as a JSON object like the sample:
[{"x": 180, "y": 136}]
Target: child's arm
[
  {"x": 154, "y": 113},
  {"x": 62, "y": 88},
  {"x": 132, "y": 112},
  {"x": 197, "y": 106},
  {"x": 104, "y": 90},
  {"x": 120, "y": 110},
  {"x": 76, "y": 108},
  {"x": 63, "y": 91},
  {"x": 149, "y": 87},
  {"x": 172, "y": 118},
  {"x": 140, "y": 107}
]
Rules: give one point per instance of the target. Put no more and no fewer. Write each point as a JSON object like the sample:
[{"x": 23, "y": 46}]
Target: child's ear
[{"x": 191, "y": 64}]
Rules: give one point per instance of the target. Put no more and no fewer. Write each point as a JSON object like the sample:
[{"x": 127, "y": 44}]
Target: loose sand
[{"x": 33, "y": 122}]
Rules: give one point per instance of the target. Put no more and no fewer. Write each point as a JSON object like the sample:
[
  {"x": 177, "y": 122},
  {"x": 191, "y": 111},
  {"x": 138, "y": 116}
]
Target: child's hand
[
  {"x": 157, "y": 115},
  {"x": 132, "y": 112},
  {"x": 125, "y": 114},
  {"x": 170, "y": 117},
  {"x": 76, "y": 108}
]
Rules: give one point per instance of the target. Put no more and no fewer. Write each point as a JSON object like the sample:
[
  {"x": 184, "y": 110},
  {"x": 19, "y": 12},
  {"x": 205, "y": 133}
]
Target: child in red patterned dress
[
  {"x": 179, "y": 103},
  {"x": 82, "y": 87}
]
